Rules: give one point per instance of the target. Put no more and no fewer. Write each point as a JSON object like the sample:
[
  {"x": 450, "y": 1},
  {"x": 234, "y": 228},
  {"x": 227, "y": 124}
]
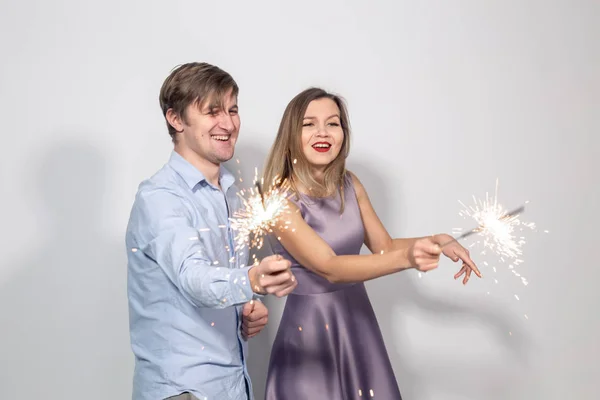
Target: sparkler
[
  {"x": 259, "y": 214},
  {"x": 499, "y": 230},
  {"x": 496, "y": 226}
]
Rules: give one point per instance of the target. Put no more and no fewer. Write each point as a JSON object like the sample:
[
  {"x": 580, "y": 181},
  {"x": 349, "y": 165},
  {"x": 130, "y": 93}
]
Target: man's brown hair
[{"x": 194, "y": 83}]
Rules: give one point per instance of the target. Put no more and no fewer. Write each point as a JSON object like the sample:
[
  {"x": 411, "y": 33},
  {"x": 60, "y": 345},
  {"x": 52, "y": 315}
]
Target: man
[{"x": 193, "y": 302}]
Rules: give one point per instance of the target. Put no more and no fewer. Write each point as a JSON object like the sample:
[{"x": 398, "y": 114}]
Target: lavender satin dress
[{"x": 329, "y": 345}]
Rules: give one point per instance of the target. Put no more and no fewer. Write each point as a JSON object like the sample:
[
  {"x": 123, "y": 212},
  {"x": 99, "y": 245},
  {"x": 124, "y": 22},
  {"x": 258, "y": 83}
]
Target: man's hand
[
  {"x": 254, "y": 318},
  {"x": 272, "y": 276}
]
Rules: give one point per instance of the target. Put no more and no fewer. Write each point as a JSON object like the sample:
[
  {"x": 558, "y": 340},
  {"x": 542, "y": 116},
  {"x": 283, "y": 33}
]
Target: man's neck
[{"x": 211, "y": 171}]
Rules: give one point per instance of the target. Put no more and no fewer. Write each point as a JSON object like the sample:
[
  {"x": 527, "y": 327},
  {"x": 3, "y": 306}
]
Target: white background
[{"x": 444, "y": 97}]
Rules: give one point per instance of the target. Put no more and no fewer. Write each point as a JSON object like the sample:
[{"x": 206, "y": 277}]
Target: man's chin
[{"x": 222, "y": 158}]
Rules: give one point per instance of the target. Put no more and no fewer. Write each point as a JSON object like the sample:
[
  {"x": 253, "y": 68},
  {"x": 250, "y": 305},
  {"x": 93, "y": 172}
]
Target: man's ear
[{"x": 174, "y": 120}]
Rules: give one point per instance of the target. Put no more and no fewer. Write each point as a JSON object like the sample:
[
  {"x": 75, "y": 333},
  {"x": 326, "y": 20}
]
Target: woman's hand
[
  {"x": 454, "y": 251},
  {"x": 424, "y": 255}
]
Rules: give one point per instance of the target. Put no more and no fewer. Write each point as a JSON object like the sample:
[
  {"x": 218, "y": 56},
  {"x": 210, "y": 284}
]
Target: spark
[
  {"x": 497, "y": 226},
  {"x": 500, "y": 232},
  {"x": 259, "y": 214}
]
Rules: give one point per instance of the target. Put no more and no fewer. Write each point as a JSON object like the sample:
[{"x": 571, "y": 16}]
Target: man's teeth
[
  {"x": 321, "y": 145},
  {"x": 223, "y": 138}
]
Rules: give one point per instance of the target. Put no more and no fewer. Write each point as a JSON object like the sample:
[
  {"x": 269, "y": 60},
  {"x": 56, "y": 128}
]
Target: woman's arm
[
  {"x": 378, "y": 239},
  {"x": 390, "y": 255},
  {"x": 310, "y": 250}
]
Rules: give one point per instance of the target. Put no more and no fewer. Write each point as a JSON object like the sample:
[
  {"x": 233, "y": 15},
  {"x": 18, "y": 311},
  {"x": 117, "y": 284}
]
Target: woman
[{"x": 329, "y": 345}]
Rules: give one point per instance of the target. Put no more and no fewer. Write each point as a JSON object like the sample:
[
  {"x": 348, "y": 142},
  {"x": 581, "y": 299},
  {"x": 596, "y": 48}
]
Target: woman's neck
[{"x": 301, "y": 188}]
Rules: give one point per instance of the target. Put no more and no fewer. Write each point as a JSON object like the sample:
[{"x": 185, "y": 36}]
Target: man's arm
[{"x": 166, "y": 234}]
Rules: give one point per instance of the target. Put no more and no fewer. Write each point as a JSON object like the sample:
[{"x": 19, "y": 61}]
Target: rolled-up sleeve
[{"x": 167, "y": 235}]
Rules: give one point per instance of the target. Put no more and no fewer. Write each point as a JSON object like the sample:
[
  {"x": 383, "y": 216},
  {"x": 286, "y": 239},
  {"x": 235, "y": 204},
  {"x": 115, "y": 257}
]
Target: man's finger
[
  {"x": 273, "y": 257},
  {"x": 280, "y": 278},
  {"x": 284, "y": 291},
  {"x": 274, "y": 267},
  {"x": 258, "y": 313},
  {"x": 255, "y": 316},
  {"x": 248, "y": 308},
  {"x": 258, "y": 322},
  {"x": 255, "y": 327}
]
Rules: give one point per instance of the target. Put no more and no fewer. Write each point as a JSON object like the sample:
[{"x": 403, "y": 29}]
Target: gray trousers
[
  {"x": 183, "y": 396},
  {"x": 189, "y": 396}
]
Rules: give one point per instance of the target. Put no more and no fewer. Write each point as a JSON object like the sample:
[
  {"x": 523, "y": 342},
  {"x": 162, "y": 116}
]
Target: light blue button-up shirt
[{"x": 186, "y": 287}]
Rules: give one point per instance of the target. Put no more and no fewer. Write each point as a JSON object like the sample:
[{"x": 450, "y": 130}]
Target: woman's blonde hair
[{"x": 287, "y": 164}]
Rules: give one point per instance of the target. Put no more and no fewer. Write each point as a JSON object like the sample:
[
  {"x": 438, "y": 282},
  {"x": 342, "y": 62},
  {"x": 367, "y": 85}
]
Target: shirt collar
[{"x": 192, "y": 176}]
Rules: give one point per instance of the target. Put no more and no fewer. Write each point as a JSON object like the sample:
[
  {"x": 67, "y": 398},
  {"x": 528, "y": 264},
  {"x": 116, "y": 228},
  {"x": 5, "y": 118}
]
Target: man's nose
[{"x": 226, "y": 122}]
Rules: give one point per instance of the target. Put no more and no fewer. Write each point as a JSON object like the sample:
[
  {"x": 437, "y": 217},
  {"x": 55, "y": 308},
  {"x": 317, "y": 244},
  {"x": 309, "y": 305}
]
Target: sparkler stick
[{"x": 260, "y": 192}]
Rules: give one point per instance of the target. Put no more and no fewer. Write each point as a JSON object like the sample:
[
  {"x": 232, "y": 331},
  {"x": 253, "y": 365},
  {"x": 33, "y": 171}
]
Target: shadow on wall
[
  {"x": 456, "y": 378},
  {"x": 64, "y": 312}
]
